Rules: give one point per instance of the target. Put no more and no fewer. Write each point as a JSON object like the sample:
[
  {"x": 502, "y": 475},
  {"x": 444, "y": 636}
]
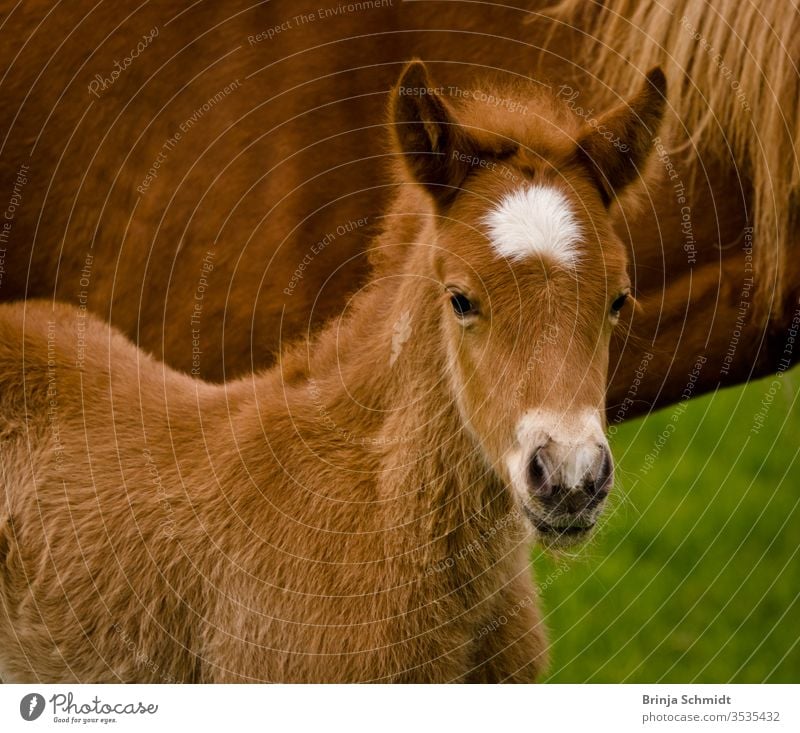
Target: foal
[{"x": 362, "y": 511}]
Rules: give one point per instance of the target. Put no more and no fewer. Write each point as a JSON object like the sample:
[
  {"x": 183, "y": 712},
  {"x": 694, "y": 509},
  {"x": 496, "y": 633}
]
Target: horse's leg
[{"x": 512, "y": 644}]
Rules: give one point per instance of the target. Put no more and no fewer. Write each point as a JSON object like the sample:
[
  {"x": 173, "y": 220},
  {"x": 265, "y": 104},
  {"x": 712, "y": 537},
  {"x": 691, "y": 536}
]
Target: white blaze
[{"x": 536, "y": 221}]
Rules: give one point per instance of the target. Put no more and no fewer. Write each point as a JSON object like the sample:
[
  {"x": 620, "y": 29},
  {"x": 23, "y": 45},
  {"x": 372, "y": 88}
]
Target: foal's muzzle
[
  {"x": 567, "y": 486},
  {"x": 562, "y": 472}
]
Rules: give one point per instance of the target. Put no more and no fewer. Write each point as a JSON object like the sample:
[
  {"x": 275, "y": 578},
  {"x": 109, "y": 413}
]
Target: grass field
[{"x": 695, "y": 575}]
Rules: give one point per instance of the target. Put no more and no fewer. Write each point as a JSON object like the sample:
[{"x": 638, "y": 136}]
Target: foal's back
[
  {"x": 147, "y": 534},
  {"x": 90, "y": 538}
]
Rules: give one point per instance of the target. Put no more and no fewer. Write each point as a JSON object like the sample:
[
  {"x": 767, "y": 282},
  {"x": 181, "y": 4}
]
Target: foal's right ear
[
  {"x": 434, "y": 147},
  {"x": 616, "y": 149}
]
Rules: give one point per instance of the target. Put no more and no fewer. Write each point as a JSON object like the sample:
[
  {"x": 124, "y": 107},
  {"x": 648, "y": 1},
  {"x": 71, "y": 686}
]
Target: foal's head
[{"x": 531, "y": 276}]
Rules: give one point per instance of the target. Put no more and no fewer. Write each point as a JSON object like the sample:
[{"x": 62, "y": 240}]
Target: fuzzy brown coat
[
  {"x": 346, "y": 515},
  {"x": 293, "y": 152},
  {"x": 159, "y": 529}
]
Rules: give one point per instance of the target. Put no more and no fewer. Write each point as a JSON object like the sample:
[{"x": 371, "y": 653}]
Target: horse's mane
[{"x": 734, "y": 85}]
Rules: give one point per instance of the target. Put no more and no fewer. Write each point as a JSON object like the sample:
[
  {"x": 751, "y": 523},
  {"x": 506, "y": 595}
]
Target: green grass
[{"x": 695, "y": 575}]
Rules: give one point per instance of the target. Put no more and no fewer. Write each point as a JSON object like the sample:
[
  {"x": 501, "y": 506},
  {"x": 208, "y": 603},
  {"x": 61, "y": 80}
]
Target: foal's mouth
[{"x": 562, "y": 534}]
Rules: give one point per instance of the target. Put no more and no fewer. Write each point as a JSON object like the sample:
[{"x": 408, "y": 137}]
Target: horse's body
[
  {"x": 276, "y": 183},
  {"x": 187, "y": 544},
  {"x": 362, "y": 514}
]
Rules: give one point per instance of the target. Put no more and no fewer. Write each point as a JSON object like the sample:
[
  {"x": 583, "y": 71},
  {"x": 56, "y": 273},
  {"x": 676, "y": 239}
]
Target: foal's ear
[
  {"x": 617, "y": 147},
  {"x": 434, "y": 147}
]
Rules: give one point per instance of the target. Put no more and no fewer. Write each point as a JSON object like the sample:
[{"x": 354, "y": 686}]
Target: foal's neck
[
  {"x": 379, "y": 377},
  {"x": 383, "y": 358}
]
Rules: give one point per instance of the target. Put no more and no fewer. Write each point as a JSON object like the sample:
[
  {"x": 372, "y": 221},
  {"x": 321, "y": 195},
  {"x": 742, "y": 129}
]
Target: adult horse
[
  {"x": 207, "y": 177},
  {"x": 296, "y": 525}
]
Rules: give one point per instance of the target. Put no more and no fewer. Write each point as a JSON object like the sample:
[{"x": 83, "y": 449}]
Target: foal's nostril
[
  {"x": 600, "y": 485},
  {"x": 539, "y": 476},
  {"x": 570, "y": 479}
]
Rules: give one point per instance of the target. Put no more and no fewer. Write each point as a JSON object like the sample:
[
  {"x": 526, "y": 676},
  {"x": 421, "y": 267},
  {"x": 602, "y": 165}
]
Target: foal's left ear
[
  {"x": 433, "y": 145},
  {"x": 617, "y": 147}
]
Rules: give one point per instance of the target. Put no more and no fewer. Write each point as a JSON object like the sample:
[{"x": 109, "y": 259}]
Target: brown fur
[
  {"x": 732, "y": 66},
  {"x": 344, "y": 517},
  {"x": 293, "y": 153}
]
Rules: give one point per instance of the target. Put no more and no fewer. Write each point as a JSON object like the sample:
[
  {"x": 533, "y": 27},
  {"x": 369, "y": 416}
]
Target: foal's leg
[{"x": 512, "y": 643}]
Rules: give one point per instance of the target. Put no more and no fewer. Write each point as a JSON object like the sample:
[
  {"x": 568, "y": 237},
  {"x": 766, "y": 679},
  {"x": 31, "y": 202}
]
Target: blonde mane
[{"x": 734, "y": 87}]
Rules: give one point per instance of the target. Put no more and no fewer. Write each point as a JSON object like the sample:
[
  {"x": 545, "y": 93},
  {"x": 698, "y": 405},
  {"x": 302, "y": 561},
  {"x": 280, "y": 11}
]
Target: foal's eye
[
  {"x": 619, "y": 304},
  {"x": 462, "y": 305}
]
